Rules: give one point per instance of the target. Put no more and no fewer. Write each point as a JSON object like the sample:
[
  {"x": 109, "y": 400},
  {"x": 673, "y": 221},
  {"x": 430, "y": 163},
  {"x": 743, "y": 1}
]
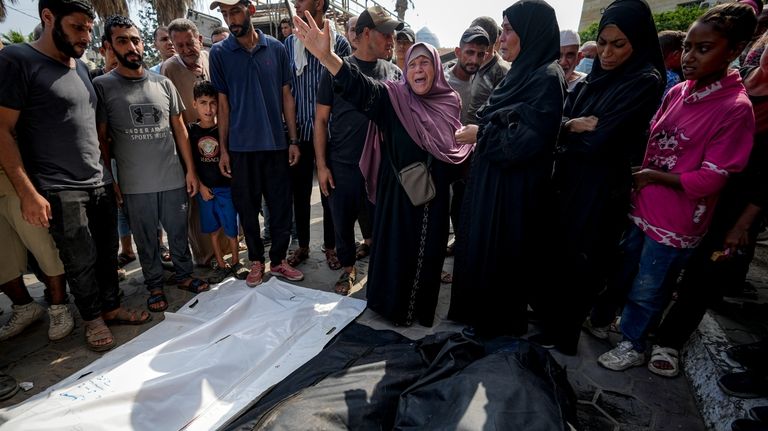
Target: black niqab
[
  {"x": 535, "y": 23},
  {"x": 634, "y": 19}
]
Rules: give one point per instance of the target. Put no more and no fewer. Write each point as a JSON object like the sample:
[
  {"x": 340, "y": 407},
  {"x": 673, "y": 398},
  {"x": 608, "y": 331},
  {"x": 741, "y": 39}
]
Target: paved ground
[{"x": 632, "y": 400}]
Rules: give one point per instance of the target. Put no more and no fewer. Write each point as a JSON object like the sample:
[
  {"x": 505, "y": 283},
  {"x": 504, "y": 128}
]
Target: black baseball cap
[
  {"x": 377, "y": 18},
  {"x": 475, "y": 34}
]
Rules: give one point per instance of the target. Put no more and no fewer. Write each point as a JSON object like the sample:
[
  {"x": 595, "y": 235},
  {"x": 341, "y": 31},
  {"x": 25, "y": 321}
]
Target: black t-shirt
[
  {"x": 347, "y": 127},
  {"x": 206, "y": 151},
  {"x": 56, "y": 129}
]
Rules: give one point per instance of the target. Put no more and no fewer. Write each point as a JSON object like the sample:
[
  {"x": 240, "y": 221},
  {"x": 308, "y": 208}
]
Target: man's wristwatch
[{"x": 293, "y": 142}]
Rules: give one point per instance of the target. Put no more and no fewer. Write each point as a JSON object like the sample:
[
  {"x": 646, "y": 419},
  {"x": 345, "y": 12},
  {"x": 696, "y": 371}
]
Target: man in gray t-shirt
[
  {"x": 47, "y": 100},
  {"x": 469, "y": 56},
  {"x": 141, "y": 113}
]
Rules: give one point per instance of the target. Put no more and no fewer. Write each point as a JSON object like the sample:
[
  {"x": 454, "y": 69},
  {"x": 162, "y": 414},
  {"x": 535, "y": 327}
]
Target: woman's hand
[
  {"x": 467, "y": 135},
  {"x": 581, "y": 124},
  {"x": 317, "y": 41}
]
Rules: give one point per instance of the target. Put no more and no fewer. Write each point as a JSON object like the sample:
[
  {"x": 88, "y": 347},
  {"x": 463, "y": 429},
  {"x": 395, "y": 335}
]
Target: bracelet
[{"x": 293, "y": 142}]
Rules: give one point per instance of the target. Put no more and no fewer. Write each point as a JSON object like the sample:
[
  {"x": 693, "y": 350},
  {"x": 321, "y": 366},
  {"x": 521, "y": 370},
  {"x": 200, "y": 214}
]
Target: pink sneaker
[
  {"x": 287, "y": 272},
  {"x": 256, "y": 275}
]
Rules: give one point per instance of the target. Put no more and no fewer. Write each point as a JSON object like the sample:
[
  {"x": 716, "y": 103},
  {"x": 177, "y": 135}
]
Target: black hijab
[
  {"x": 634, "y": 19},
  {"x": 535, "y": 23}
]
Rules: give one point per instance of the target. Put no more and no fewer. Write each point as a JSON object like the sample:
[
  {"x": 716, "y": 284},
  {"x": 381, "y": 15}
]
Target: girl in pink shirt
[{"x": 702, "y": 132}]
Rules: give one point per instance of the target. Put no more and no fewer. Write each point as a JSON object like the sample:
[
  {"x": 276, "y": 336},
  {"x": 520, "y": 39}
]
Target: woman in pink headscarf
[{"x": 415, "y": 120}]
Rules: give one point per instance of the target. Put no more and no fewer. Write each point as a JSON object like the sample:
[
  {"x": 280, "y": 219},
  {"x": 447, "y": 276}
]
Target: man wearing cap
[
  {"x": 252, "y": 73},
  {"x": 338, "y": 152},
  {"x": 404, "y": 40},
  {"x": 490, "y": 73},
  {"x": 570, "y": 57},
  {"x": 305, "y": 78},
  {"x": 469, "y": 56},
  {"x": 470, "y": 53}
]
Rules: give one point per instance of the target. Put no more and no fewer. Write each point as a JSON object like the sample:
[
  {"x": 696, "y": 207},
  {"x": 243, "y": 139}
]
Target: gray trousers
[{"x": 144, "y": 210}]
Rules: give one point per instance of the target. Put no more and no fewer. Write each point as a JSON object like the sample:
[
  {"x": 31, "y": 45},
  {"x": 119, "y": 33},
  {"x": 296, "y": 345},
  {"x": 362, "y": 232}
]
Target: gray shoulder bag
[{"x": 417, "y": 181}]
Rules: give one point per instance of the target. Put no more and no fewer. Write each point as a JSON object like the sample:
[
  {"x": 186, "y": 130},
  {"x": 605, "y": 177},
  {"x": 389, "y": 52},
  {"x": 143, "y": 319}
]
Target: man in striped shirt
[{"x": 306, "y": 77}]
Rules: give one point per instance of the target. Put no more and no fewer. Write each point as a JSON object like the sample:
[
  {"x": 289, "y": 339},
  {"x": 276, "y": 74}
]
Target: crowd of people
[{"x": 621, "y": 163}]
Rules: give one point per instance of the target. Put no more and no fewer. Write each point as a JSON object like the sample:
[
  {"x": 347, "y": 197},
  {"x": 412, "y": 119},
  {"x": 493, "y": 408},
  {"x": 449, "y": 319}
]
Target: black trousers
[
  {"x": 84, "y": 227},
  {"x": 301, "y": 182},
  {"x": 256, "y": 174},
  {"x": 346, "y": 202}
]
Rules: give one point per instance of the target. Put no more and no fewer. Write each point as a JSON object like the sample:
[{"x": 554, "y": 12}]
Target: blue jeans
[{"x": 644, "y": 281}]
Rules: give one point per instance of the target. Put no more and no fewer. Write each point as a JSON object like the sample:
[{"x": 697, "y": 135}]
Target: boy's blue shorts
[{"x": 218, "y": 212}]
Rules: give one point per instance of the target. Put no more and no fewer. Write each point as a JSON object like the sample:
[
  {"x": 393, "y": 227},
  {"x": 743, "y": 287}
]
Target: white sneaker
[
  {"x": 61, "y": 322},
  {"x": 621, "y": 357},
  {"x": 23, "y": 316}
]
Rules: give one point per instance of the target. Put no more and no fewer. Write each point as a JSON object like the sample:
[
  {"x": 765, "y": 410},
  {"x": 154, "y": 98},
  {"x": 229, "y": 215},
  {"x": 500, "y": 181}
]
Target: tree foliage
[
  {"x": 147, "y": 25},
  {"x": 678, "y": 19},
  {"x": 12, "y": 36}
]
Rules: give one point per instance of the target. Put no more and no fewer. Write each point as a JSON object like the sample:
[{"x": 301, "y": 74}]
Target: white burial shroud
[{"x": 198, "y": 368}]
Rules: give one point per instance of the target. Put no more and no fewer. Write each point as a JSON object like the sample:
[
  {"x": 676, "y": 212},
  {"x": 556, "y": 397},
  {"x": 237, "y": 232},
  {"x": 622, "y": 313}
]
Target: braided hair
[{"x": 735, "y": 21}]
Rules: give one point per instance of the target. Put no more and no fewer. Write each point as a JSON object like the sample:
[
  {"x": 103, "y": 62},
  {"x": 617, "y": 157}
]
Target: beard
[
  {"x": 133, "y": 65},
  {"x": 241, "y": 30},
  {"x": 63, "y": 43},
  {"x": 469, "y": 69}
]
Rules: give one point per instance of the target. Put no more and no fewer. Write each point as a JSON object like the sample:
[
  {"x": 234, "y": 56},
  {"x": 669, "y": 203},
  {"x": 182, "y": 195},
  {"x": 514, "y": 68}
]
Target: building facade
[{"x": 592, "y": 9}]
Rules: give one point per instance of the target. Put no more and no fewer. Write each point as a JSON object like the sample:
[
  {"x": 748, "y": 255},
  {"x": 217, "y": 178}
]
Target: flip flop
[
  {"x": 664, "y": 354},
  {"x": 155, "y": 299},
  {"x": 127, "y": 316},
  {"x": 194, "y": 286}
]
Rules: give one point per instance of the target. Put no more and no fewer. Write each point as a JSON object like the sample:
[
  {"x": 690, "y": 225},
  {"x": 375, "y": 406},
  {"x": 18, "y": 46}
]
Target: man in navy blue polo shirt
[{"x": 252, "y": 73}]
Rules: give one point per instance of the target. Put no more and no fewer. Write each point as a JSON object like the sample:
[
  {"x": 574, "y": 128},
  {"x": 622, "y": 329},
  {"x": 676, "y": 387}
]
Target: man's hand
[
  {"x": 205, "y": 193},
  {"x": 293, "y": 155},
  {"x": 36, "y": 210},
  {"x": 224, "y": 164},
  {"x": 325, "y": 180},
  {"x": 118, "y": 193},
  {"x": 736, "y": 238},
  {"x": 192, "y": 184}
]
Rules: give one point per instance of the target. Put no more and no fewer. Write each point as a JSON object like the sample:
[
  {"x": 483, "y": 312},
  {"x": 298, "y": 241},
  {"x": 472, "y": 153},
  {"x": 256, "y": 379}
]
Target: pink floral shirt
[{"x": 704, "y": 136}]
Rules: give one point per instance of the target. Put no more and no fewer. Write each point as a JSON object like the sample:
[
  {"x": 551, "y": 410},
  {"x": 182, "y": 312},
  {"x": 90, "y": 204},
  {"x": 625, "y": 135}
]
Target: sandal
[
  {"x": 345, "y": 282},
  {"x": 195, "y": 285},
  {"x": 666, "y": 355},
  {"x": 154, "y": 299},
  {"x": 127, "y": 316},
  {"x": 332, "y": 259},
  {"x": 446, "y": 277},
  {"x": 363, "y": 250},
  {"x": 297, "y": 256},
  {"x": 96, "y": 332},
  {"x": 124, "y": 259}
]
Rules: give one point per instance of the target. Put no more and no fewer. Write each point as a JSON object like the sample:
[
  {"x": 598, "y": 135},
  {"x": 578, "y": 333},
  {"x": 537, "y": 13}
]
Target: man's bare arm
[{"x": 34, "y": 208}]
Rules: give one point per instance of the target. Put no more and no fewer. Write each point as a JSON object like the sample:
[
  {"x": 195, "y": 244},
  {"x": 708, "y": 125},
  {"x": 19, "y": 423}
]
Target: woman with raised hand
[
  {"x": 604, "y": 132},
  {"x": 415, "y": 121},
  {"x": 509, "y": 188}
]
